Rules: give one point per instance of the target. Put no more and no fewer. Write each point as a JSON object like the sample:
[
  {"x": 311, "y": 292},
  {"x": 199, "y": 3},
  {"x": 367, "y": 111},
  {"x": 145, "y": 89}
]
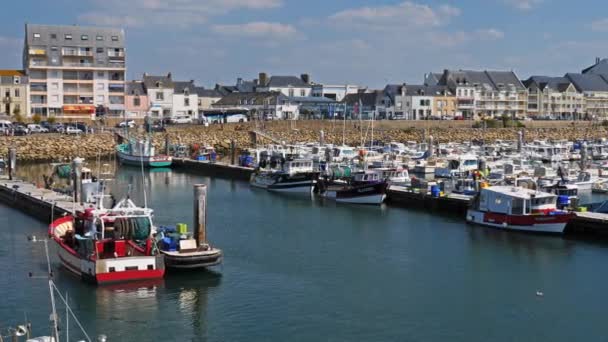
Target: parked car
[
  {"x": 5, "y": 127},
  {"x": 81, "y": 126},
  {"x": 158, "y": 126},
  {"x": 57, "y": 128},
  {"x": 36, "y": 128},
  {"x": 19, "y": 129},
  {"x": 181, "y": 119},
  {"x": 46, "y": 125},
  {"x": 72, "y": 130},
  {"x": 127, "y": 123}
]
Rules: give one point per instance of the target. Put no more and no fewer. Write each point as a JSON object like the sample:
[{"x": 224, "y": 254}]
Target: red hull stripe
[
  {"x": 525, "y": 220},
  {"x": 114, "y": 277}
]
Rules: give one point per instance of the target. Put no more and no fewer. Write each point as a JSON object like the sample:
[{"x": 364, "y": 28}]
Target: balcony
[
  {"x": 117, "y": 100},
  {"x": 76, "y": 53},
  {"x": 36, "y": 63},
  {"x": 78, "y": 65},
  {"x": 118, "y": 54},
  {"x": 37, "y": 52},
  {"x": 116, "y": 89}
]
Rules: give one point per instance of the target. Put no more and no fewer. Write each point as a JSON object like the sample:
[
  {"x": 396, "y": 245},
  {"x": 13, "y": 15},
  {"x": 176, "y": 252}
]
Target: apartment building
[
  {"x": 74, "y": 69},
  {"x": 160, "y": 94},
  {"x": 14, "y": 93},
  {"x": 594, "y": 88},
  {"x": 485, "y": 93},
  {"x": 554, "y": 97},
  {"x": 185, "y": 100},
  {"x": 335, "y": 92}
]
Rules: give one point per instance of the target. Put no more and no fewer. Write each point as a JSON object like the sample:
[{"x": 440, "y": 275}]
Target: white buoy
[{"x": 539, "y": 294}]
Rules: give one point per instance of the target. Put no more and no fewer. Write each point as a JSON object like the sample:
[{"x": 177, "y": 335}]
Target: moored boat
[
  {"x": 514, "y": 208},
  {"x": 141, "y": 152},
  {"x": 296, "y": 175},
  {"x": 365, "y": 187},
  {"x": 181, "y": 250},
  {"x": 108, "y": 245}
]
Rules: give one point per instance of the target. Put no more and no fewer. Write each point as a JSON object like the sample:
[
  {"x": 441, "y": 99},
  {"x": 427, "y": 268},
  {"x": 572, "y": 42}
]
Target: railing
[
  {"x": 116, "y": 90},
  {"x": 77, "y": 53},
  {"x": 116, "y": 54},
  {"x": 77, "y": 64},
  {"x": 116, "y": 65},
  {"x": 38, "y": 63}
]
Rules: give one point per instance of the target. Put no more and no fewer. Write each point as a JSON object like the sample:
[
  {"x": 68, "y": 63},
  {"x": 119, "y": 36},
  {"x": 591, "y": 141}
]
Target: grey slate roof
[
  {"x": 60, "y": 31},
  {"x": 488, "y": 80},
  {"x": 251, "y": 98},
  {"x": 202, "y": 92},
  {"x": 542, "y": 82},
  {"x": 588, "y": 82},
  {"x": 432, "y": 78},
  {"x": 310, "y": 99},
  {"x": 151, "y": 81},
  {"x": 424, "y": 90},
  {"x": 600, "y": 68},
  {"x": 179, "y": 87},
  {"x": 135, "y": 88},
  {"x": 369, "y": 99},
  {"x": 287, "y": 81}
]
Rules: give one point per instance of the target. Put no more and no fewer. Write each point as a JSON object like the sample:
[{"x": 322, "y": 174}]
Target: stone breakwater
[{"x": 45, "y": 147}]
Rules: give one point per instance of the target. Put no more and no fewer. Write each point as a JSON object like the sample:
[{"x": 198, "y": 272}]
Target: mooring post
[
  {"x": 430, "y": 147},
  {"x": 520, "y": 140},
  {"x": 232, "y": 152},
  {"x": 200, "y": 213},
  {"x": 321, "y": 138},
  {"x": 12, "y": 162},
  {"x": 167, "y": 144},
  {"x": 76, "y": 177}
]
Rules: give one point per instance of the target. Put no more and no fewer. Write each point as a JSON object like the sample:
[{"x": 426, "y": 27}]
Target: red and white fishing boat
[
  {"x": 515, "y": 208},
  {"x": 109, "y": 245}
]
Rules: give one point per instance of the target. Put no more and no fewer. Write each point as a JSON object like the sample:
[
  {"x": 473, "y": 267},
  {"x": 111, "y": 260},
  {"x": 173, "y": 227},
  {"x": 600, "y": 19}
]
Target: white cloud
[
  {"x": 600, "y": 25},
  {"x": 489, "y": 34},
  {"x": 180, "y": 13},
  {"x": 257, "y": 29},
  {"x": 524, "y": 5},
  {"x": 403, "y": 15}
]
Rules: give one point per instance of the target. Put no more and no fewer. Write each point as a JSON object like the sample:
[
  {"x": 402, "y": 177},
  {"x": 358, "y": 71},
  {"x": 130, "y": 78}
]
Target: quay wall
[{"x": 46, "y": 147}]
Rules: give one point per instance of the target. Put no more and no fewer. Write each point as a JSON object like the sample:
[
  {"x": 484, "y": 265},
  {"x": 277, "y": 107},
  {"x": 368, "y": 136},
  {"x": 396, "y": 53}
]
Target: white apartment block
[
  {"x": 73, "y": 70},
  {"x": 334, "y": 92},
  {"x": 554, "y": 97}
]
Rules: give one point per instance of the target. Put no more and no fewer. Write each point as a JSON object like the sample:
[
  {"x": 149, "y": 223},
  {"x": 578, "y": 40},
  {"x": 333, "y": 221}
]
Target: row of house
[{"x": 74, "y": 71}]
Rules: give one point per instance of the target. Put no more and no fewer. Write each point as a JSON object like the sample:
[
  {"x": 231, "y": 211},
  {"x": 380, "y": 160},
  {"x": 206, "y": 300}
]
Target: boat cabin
[
  {"x": 367, "y": 176},
  {"x": 298, "y": 166},
  {"x": 511, "y": 200}
]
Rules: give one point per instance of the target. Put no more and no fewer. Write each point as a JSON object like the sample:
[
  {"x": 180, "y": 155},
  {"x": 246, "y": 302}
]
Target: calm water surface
[{"x": 303, "y": 269}]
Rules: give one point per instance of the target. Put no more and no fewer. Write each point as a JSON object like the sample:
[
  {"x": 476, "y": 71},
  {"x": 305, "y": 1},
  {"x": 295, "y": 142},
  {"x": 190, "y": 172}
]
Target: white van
[
  {"x": 181, "y": 119},
  {"x": 5, "y": 127},
  {"x": 35, "y": 128},
  {"x": 236, "y": 118}
]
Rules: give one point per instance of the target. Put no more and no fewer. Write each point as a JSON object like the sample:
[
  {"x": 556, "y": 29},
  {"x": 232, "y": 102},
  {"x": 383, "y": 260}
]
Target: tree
[
  {"x": 51, "y": 119},
  {"x": 17, "y": 115},
  {"x": 36, "y": 118}
]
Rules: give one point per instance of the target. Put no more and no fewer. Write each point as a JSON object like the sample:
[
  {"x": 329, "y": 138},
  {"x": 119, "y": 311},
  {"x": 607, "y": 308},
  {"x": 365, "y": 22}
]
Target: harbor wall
[{"x": 46, "y": 147}]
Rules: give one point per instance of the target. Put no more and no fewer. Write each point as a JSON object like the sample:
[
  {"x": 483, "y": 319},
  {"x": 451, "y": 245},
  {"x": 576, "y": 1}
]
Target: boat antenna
[
  {"x": 143, "y": 177},
  {"x": 52, "y": 289}
]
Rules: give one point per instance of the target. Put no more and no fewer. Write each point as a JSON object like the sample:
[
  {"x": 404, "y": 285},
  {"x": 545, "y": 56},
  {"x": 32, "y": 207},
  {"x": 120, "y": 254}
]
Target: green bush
[{"x": 36, "y": 118}]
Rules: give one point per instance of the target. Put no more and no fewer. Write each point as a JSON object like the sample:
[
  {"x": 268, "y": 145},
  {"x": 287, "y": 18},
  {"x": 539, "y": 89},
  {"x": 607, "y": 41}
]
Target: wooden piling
[
  {"x": 200, "y": 214},
  {"x": 77, "y": 181},
  {"x": 232, "y": 152},
  {"x": 12, "y": 162}
]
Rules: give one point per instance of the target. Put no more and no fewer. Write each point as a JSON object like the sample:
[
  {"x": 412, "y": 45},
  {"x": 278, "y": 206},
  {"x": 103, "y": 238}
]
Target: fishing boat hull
[
  {"x": 373, "y": 194},
  {"x": 299, "y": 183},
  {"x": 550, "y": 224},
  {"x": 192, "y": 260},
  {"x": 120, "y": 262},
  {"x": 147, "y": 161}
]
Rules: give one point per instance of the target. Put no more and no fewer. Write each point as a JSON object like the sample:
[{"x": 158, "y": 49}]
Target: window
[
  {"x": 137, "y": 102},
  {"x": 100, "y": 98},
  {"x": 99, "y": 50},
  {"x": 187, "y": 101},
  {"x": 399, "y": 105},
  {"x": 100, "y": 86},
  {"x": 114, "y": 38},
  {"x": 53, "y": 35},
  {"x": 54, "y": 48},
  {"x": 160, "y": 96},
  {"x": 84, "y": 37},
  {"x": 302, "y": 92},
  {"x": 55, "y": 86},
  {"x": 36, "y": 36},
  {"x": 291, "y": 92},
  {"x": 68, "y": 37},
  {"x": 17, "y": 93},
  {"x": 17, "y": 107},
  {"x": 100, "y": 74},
  {"x": 422, "y": 102},
  {"x": 99, "y": 38}
]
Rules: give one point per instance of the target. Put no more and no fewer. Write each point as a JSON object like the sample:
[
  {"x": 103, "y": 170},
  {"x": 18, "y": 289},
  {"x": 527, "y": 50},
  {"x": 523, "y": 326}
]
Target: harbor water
[{"x": 304, "y": 269}]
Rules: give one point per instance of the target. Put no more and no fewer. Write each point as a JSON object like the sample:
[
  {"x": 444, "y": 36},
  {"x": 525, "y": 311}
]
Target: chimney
[
  {"x": 403, "y": 89},
  {"x": 169, "y": 75},
  {"x": 239, "y": 81},
  {"x": 305, "y": 78},
  {"x": 263, "y": 79}
]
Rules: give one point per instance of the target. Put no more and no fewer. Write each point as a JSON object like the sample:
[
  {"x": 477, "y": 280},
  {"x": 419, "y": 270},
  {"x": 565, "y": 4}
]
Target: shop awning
[{"x": 79, "y": 109}]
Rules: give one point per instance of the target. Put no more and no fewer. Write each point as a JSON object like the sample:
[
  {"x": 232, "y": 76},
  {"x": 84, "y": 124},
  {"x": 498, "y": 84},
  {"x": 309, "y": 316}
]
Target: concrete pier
[
  {"x": 217, "y": 169},
  {"x": 41, "y": 204}
]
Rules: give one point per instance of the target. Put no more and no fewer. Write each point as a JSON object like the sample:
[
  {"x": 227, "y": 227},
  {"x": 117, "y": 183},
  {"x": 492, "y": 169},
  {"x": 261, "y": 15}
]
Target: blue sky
[{"x": 336, "y": 41}]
